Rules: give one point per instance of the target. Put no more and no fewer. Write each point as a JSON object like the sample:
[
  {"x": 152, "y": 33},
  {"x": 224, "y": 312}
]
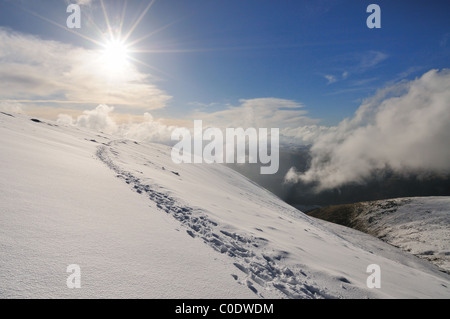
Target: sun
[{"x": 115, "y": 55}]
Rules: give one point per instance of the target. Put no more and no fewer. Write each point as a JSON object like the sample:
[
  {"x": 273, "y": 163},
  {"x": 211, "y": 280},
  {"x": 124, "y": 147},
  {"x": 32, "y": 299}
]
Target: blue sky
[{"x": 210, "y": 55}]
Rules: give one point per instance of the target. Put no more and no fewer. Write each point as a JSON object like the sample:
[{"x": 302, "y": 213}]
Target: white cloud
[
  {"x": 64, "y": 119},
  {"x": 287, "y": 115},
  {"x": 330, "y": 78},
  {"x": 102, "y": 119},
  {"x": 36, "y": 69},
  {"x": 98, "y": 119},
  {"x": 150, "y": 130},
  {"x": 11, "y": 107},
  {"x": 369, "y": 60},
  {"x": 305, "y": 134},
  {"x": 405, "y": 127},
  {"x": 258, "y": 113},
  {"x": 333, "y": 79}
]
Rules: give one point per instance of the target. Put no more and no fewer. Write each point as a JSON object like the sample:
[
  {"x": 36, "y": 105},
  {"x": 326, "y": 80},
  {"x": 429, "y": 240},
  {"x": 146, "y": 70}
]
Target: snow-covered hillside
[
  {"x": 418, "y": 225},
  {"x": 140, "y": 226}
]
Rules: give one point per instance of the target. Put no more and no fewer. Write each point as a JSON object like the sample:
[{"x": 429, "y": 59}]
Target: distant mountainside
[
  {"x": 383, "y": 184},
  {"x": 418, "y": 225}
]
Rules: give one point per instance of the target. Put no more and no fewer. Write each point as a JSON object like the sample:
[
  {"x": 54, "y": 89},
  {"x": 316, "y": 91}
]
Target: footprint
[
  {"x": 344, "y": 280},
  {"x": 241, "y": 268},
  {"x": 190, "y": 233},
  {"x": 251, "y": 287}
]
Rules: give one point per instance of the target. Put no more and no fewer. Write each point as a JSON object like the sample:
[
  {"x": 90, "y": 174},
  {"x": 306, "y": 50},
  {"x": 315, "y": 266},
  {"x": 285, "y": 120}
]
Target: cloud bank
[
  {"x": 101, "y": 119},
  {"x": 289, "y": 116},
  {"x": 405, "y": 128}
]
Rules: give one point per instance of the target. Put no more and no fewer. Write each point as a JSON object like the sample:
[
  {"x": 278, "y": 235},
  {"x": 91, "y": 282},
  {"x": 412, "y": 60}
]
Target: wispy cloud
[
  {"x": 259, "y": 112},
  {"x": 80, "y": 2},
  {"x": 296, "y": 127},
  {"x": 84, "y": 2},
  {"x": 34, "y": 69},
  {"x": 335, "y": 78},
  {"x": 369, "y": 60},
  {"x": 445, "y": 40},
  {"x": 350, "y": 90},
  {"x": 354, "y": 64},
  {"x": 330, "y": 78},
  {"x": 361, "y": 82},
  {"x": 201, "y": 105}
]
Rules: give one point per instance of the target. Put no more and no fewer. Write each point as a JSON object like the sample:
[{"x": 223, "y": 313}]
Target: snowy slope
[
  {"x": 418, "y": 225},
  {"x": 61, "y": 206},
  {"x": 141, "y": 226}
]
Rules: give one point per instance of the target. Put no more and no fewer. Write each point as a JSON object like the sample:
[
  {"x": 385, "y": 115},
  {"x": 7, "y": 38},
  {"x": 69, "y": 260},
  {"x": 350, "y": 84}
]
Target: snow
[
  {"x": 141, "y": 226},
  {"x": 418, "y": 225}
]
